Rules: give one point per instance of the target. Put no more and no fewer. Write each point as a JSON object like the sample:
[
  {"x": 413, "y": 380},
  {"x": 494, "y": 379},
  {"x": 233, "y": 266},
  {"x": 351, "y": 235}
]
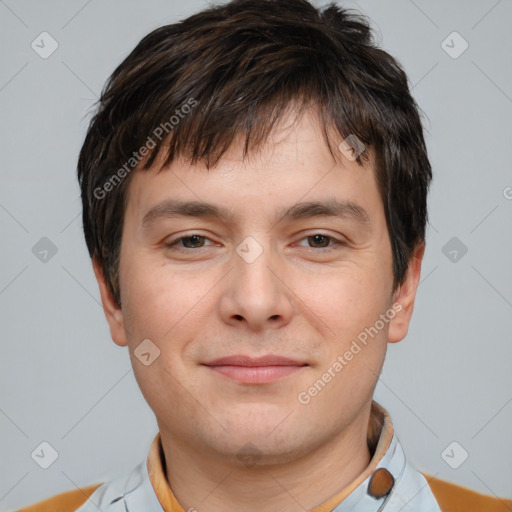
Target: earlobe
[
  {"x": 113, "y": 312},
  {"x": 404, "y": 297}
]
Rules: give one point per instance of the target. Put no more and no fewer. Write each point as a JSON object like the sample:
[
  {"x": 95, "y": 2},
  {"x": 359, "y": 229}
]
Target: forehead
[{"x": 294, "y": 166}]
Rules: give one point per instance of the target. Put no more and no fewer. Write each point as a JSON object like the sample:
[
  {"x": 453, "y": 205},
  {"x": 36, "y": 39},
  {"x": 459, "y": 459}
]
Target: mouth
[{"x": 249, "y": 370}]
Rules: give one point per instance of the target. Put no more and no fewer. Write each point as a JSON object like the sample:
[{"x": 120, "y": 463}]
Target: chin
[
  {"x": 258, "y": 419},
  {"x": 262, "y": 452},
  {"x": 269, "y": 439}
]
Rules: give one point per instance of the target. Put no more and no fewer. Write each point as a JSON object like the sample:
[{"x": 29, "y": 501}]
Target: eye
[
  {"x": 322, "y": 241},
  {"x": 193, "y": 241},
  {"x": 196, "y": 241}
]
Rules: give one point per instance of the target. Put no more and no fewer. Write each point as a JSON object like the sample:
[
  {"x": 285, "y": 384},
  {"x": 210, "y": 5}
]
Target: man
[{"x": 254, "y": 190}]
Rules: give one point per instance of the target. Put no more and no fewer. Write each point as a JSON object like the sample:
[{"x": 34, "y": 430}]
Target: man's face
[{"x": 257, "y": 283}]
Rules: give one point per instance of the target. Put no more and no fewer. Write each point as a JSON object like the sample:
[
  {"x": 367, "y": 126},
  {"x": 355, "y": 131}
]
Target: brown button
[{"x": 381, "y": 483}]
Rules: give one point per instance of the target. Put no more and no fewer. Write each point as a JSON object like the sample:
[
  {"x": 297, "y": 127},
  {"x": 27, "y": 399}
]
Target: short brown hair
[{"x": 238, "y": 67}]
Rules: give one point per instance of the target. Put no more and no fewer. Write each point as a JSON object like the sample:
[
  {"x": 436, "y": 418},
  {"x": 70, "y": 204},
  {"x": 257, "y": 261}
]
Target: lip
[
  {"x": 268, "y": 360},
  {"x": 259, "y": 370}
]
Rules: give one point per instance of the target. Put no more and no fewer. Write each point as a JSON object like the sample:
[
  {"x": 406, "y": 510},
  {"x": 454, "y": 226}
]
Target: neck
[{"x": 215, "y": 484}]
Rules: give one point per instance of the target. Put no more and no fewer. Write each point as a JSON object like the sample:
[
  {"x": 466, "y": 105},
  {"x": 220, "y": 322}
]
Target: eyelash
[{"x": 336, "y": 242}]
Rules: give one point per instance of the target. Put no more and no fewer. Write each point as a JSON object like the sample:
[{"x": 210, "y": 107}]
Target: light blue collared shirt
[{"x": 134, "y": 492}]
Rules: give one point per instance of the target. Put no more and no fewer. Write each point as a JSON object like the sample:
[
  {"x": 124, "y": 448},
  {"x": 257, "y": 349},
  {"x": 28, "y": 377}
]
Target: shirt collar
[{"x": 372, "y": 485}]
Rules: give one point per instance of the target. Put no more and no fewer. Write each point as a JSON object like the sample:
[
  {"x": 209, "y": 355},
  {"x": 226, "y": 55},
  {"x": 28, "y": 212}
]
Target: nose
[{"x": 256, "y": 292}]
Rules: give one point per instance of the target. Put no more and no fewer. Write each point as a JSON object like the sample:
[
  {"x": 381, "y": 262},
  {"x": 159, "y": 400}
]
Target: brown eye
[
  {"x": 188, "y": 242},
  {"x": 192, "y": 241},
  {"x": 319, "y": 240}
]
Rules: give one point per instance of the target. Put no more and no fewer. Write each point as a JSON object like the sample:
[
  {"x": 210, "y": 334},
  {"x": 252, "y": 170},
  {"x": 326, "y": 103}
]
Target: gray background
[{"x": 64, "y": 381}]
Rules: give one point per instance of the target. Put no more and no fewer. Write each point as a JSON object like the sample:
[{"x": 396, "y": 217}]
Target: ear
[
  {"x": 113, "y": 312},
  {"x": 403, "y": 302}
]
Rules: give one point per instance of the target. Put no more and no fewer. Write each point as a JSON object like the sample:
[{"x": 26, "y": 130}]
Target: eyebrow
[{"x": 172, "y": 208}]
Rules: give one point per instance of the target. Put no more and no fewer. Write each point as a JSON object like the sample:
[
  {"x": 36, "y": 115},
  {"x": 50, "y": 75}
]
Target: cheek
[
  {"x": 161, "y": 304},
  {"x": 148, "y": 305},
  {"x": 345, "y": 311},
  {"x": 346, "y": 299},
  {"x": 163, "y": 308},
  {"x": 353, "y": 349}
]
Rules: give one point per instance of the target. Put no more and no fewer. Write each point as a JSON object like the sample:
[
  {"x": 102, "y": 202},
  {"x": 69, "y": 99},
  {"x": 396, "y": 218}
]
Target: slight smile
[{"x": 249, "y": 370}]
